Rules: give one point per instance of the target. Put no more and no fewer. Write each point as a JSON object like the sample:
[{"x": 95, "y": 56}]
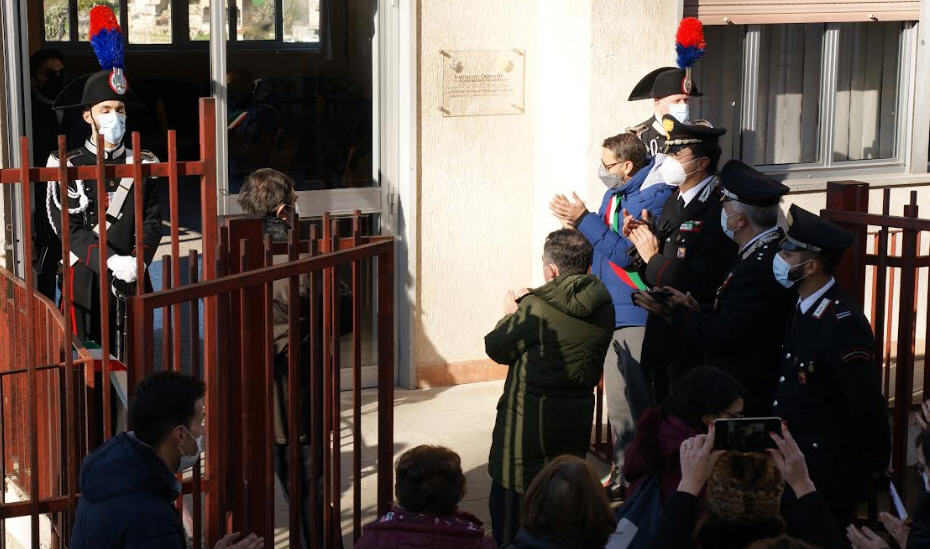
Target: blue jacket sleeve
[{"x": 605, "y": 242}]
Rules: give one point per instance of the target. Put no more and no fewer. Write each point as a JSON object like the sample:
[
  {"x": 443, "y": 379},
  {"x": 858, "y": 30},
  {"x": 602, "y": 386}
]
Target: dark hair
[
  {"x": 163, "y": 400},
  {"x": 781, "y": 542},
  {"x": 626, "y": 146},
  {"x": 430, "y": 480},
  {"x": 568, "y": 250},
  {"x": 703, "y": 390},
  {"x": 41, "y": 56},
  {"x": 711, "y": 151},
  {"x": 264, "y": 190},
  {"x": 566, "y": 500},
  {"x": 829, "y": 259}
]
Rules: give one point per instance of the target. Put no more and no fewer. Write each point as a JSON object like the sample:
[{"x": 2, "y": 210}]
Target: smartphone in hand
[{"x": 746, "y": 434}]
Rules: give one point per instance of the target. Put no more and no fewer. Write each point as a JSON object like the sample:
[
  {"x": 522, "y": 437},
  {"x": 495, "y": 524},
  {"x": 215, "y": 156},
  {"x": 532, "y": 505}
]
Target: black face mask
[{"x": 54, "y": 84}]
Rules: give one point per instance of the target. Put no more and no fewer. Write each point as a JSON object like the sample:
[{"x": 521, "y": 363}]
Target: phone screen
[{"x": 746, "y": 434}]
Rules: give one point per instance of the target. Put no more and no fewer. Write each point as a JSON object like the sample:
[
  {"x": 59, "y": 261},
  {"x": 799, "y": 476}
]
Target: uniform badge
[
  {"x": 117, "y": 81},
  {"x": 681, "y": 252},
  {"x": 821, "y": 307},
  {"x": 802, "y": 378},
  {"x": 691, "y": 226}
]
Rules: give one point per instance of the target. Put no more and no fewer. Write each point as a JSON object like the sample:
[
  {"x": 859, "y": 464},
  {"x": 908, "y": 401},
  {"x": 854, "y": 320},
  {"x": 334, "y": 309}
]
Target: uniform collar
[
  {"x": 689, "y": 195},
  {"x": 109, "y": 155},
  {"x": 808, "y": 302},
  {"x": 757, "y": 237}
]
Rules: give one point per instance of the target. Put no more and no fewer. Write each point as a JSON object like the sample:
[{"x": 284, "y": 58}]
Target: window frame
[
  {"x": 180, "y": 32},
  {"x": 826, "y": 166}
]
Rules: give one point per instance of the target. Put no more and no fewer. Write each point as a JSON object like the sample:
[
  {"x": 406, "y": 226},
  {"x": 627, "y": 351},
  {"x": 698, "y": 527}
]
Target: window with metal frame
[
  {"x": 802, "y": 98},
  {"x": 184, "y": 23}
]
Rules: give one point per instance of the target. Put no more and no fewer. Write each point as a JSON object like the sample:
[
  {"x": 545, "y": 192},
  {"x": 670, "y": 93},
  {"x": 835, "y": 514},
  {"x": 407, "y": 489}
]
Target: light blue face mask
[
  {"x": 680, "y": 111},
  {"x": 724, "y": 218},
  {"x": 112, "y": 126},
  {"x": 782, "y": 271}
]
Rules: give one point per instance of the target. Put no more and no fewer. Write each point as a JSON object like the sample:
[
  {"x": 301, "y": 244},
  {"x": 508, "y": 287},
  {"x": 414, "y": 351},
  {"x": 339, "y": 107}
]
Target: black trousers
[{"x": 504, "y": 505}]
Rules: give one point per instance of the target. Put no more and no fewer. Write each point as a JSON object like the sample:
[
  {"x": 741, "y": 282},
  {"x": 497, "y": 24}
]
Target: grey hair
[{"x": 760, "y": 217}]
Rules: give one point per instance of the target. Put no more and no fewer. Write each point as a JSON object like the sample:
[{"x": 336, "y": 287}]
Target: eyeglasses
[{"x": 608, "y": 166}]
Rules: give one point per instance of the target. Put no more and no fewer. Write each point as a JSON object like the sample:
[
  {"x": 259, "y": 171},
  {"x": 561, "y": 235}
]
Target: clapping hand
[
  {"x": 646, "y": 301},
  {"x": 646, "y": 243},
  {"x": 697, "y": 456},
  {"x": 630, "y": 222},
  {"x": 864, "y": 538},
  {"x": 566, "y": 211},
  {"x": 899, "y": 529},
  {"x": 679, "y": 298},
  {"x": 511, "y": 298}
]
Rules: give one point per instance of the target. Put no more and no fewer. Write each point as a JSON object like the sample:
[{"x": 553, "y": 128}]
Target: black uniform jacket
[
  {"x": 829, "y": 391},
  {"x": 742, "y": 330},
  {"x": 652, "y": 135},
  {"x": 694, "y": 256},
  {"x": 121, "y": 240}
]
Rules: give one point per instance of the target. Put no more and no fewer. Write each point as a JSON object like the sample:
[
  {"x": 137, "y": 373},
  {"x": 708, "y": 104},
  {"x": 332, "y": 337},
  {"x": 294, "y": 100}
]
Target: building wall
[{"x": 485, "y": 182}]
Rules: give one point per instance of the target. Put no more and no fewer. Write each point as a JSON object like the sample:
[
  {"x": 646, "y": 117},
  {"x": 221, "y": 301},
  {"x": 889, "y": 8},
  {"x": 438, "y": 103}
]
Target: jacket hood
[
  {"x": 123, "y": 465},
  {"x": 635, "y": 182},
  {"x": 575, "y": 295}
]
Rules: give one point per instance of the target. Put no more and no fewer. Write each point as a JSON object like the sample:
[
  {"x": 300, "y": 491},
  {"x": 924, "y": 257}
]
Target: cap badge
[{"x": 117, "y": 81}]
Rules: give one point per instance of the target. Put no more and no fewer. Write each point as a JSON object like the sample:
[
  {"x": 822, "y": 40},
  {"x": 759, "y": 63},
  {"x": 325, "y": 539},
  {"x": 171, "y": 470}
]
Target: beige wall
[{"x": 485, "y": 182}]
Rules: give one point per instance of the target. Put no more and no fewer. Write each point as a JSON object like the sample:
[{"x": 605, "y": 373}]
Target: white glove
[{"x": 123, "y": 267}]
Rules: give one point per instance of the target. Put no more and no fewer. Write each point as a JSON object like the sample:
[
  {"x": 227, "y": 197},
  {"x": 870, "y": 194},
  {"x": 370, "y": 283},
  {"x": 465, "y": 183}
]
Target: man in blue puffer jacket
[{"x": 632, "y": 186}]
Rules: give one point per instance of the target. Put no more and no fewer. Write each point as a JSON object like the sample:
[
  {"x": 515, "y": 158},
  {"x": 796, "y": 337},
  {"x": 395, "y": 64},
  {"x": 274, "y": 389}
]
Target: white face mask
[
  {"x": 112, "y": 126},
  {"x": 680, "y": 111},
  {"x": 724, "y": 218},
  {"x": 673, "y": 171},
  {"x": 188, "y": 461}
]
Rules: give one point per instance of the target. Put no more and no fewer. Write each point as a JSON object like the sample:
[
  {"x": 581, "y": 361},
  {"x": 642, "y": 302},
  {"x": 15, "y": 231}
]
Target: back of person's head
[
  {"x": 744, "y": 488},
  {"x": 627, "y": 147},
  {"x": 702, "y": 393},
  {"x": 781, "y": 542},
  {"x": 566, "y": 501},
  {"x": 265, "y": 191},
  {"x": 162, "y": 401},
  {"x": 429, "y": 480},
  {"x": 569, "y": 251}
]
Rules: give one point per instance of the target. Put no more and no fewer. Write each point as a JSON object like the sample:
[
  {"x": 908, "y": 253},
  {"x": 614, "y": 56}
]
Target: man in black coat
[
  {"x": 686, "y": 248},
  {"x": 101, "y": 97},
  {"x": 670, "y": 89},
  {"x": 829, "y": 388},
  {"x": 741, "y": 331}
]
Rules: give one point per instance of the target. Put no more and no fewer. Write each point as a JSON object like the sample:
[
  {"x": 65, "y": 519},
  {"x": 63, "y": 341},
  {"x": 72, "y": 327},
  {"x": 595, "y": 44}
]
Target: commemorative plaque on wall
[{"x": 482, "y": 83}]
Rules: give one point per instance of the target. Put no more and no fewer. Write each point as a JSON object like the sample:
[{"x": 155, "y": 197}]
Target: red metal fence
[
  {"x": 56, "y": 399},
  {"x": 889, "y": 248}
]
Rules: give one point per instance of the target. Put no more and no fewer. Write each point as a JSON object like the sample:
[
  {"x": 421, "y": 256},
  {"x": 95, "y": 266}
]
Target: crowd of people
[{"x": 688, "y": 291}]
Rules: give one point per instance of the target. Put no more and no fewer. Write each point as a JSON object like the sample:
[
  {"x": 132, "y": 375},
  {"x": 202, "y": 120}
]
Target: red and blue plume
[
  {"x": 689, "y": 42},
  {"x": 106, "y": 37}
]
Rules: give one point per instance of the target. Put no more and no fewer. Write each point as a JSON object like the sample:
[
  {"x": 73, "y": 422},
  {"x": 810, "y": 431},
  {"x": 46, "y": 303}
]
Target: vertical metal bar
[
  {"x": 356, "y": 383},
  {"x": 103, "y": 284},
  {"x": 175, "y": 246},
  {"x": 886, "y": 353},
  {"x": 166, "y": 321},
  {"x": 385, "y": 380},
  {"x": 197, "y": 372},
  {"x": 208, "y": 143},
  {"x": 907, "y": 312},
  {"x": 70, "y": 404},
  {"x": 142, "y": 345},
  {"x": 599, "y": 414},
  {"x": 316, "y": 415},
  {"x": 326, "y": 247},
  {"x": 336, "y": 333},
  {"x": 244, "y": 346},
  {"x": 33, "y": 413},
  {"x": 138, "y": 193},
  {"x": 293, "y": 395},
  {"x": 269, "y": 396},
  {"x": 194, "y": 309}
]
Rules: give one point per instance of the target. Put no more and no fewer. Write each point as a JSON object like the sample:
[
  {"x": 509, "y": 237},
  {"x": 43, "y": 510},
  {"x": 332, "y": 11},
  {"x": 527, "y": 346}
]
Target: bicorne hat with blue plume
[
  {"x": 665, "y": 81},
  {"x": 106, "y": 37}
]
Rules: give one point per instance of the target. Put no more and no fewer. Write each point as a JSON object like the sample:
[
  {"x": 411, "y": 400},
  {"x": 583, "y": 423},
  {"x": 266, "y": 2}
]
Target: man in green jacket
[{"x": 554, "y": 338}]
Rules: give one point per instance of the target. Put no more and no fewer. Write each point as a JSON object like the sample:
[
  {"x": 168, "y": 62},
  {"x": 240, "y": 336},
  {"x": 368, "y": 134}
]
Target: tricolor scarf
[{"x": 612, "y": 219}]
